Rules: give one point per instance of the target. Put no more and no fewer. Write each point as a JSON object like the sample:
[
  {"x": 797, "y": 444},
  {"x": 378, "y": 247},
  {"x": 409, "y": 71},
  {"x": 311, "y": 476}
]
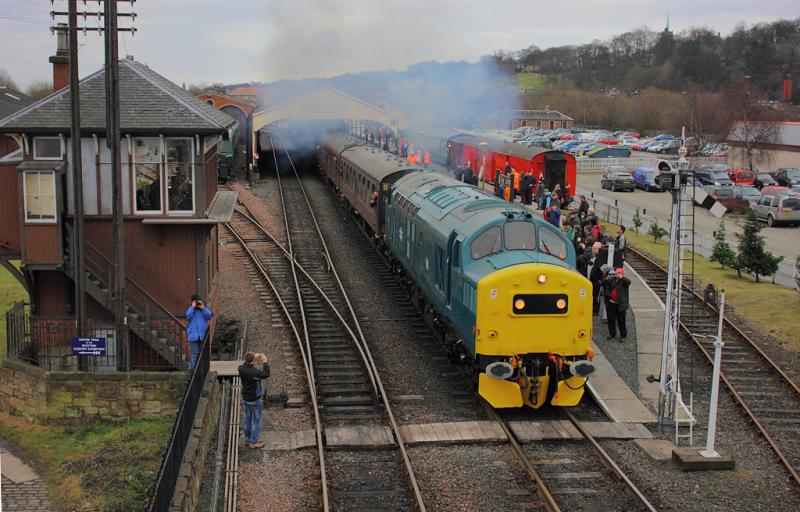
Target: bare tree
[
  {"x": 751, "y": 129},
  {"x": 6, "y": 80},
  {"x": 39, "y": 89}
]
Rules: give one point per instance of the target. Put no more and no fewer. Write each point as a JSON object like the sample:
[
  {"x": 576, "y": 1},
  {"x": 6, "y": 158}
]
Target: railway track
[
  {"x": 769, "y": 397},
  {"x": 344, "y": 384}
]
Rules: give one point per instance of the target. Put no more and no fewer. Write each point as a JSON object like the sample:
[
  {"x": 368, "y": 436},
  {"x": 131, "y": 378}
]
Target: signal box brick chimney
[
  {"x": 787, "y": 88},
  {"x": 60, "y": 60}
]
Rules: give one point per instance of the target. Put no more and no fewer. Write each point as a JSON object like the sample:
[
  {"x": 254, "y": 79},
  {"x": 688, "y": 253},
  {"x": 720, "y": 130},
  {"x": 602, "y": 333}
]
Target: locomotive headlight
[
  {"x": 561, "y": 303},
  {"x": 542, "y": 278},
  {"x": 519, "y": 304}
]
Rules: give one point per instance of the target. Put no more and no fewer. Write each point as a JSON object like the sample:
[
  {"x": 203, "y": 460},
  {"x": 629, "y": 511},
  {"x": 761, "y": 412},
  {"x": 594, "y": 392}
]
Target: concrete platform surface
[
  {"x": 16, "y": 470},
  {"x": 656, "y": 449},
  {"x": 614, "y": 396},
  {"x": 225, "y": 368}
]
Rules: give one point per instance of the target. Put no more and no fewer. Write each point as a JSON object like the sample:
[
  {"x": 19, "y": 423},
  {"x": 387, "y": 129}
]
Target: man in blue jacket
[{"x": 197, "y": 317}]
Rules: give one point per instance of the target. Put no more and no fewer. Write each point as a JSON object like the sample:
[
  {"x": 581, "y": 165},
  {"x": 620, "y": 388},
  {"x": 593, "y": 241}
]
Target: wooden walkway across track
[{"x": 463, "y": 432}]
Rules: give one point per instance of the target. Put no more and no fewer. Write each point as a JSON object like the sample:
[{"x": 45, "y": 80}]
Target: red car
[
  {"x": 567, "y": 136},
  {"x": 777, "y": 190},
  {"x": 741, "y": 176},
  {"x": 609, "y": 141}
]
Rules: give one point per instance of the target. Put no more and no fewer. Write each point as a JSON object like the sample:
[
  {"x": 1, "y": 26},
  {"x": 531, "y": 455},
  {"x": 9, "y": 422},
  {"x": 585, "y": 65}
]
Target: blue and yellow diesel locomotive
[{"x": 501, "y": 284}]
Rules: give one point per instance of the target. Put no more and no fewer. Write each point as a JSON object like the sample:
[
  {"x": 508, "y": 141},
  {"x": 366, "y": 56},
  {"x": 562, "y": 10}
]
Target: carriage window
[
  {"x": 519, "y": 235},
  {"x": 551, "y": 243},
  {"x": 486, "y": 243}
]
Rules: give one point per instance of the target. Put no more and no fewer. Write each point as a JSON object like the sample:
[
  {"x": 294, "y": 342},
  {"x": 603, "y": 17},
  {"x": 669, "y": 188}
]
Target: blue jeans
[
  {"x": 195, "y": 347},
  {"x": 252, "y": 421}
]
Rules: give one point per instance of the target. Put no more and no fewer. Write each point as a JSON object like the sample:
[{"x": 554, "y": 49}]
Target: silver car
[
  {"x": 749, "y": 194},
  {"x": 778, "y": 210}
]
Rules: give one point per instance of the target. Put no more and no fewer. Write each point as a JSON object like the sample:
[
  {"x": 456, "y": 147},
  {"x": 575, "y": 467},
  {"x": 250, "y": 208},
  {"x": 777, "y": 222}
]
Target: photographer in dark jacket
[
  {"x": 252, "y": 393},
  {"x": 616, "y": 294}
]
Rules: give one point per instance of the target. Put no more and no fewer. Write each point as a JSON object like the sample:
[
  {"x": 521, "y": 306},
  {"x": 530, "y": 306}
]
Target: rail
[
  {"x": 161, "y": 495},
  {"x": 548, "y": 501},
  {"x": 610, "y": 463},
  {"x": 731, "y": 387}
]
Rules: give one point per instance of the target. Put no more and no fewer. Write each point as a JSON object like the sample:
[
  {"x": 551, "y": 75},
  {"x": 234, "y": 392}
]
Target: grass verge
[
  {"x": 99, "y": 466},
  {"x": 530, "y": 80},
  {"x": 10, "y": 292},
  {"x": 768, "y": 308}
]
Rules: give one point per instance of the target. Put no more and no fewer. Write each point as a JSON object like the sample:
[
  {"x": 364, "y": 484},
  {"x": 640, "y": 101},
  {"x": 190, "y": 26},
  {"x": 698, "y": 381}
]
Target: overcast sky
[{"x": 232, "y": 41}]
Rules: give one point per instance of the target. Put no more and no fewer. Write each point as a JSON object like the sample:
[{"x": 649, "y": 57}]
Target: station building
[
  {"x": 172, "y": 209},
  {"x": 507, "y": 119},
  {"x": 774, "y": 145}
]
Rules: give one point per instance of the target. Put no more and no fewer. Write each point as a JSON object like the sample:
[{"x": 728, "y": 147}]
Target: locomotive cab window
[
  {"x": 486, "y": 243},
  {"x": 519, "y": 235},
  {"x": 551, "y": 243}
]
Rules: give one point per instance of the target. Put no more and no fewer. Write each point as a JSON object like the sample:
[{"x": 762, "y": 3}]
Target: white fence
[{"x": 585, "y": 163}]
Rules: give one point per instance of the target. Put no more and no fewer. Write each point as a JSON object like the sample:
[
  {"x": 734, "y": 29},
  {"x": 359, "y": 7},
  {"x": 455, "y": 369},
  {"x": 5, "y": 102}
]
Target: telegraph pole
[
  {"x": 113, "y": 142},
  {"x": 78, "y": 261}
]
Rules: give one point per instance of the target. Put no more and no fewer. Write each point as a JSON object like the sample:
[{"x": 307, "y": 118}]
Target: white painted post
[{"x": 709, "y": 452}]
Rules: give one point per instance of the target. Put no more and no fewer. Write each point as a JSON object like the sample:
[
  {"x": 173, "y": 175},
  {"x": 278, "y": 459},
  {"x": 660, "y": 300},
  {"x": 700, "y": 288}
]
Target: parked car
[
  {"x": 763, "y": 179},
  {"x": 617, "y": 178},
  {"x": 747, "y": 193},
  {"x": 708, "y": 177},
  {"x": 719, "y": 193},
  {"x": 777, "y": 190},
  {"x": 667, "y": 146},
  {"x": 788, "y": 176},
  {"x": 776, "y": 210},
  {"x": 642, "y": 142},
  {"x": 645, "y": 178},
  {"x": 627, "y": 142},
  {"x": 741, "y": 176}
]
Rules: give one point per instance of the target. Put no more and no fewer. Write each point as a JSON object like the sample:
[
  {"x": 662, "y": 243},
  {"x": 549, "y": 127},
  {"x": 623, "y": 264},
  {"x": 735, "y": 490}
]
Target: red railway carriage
[{"x": 557, "y": 167}]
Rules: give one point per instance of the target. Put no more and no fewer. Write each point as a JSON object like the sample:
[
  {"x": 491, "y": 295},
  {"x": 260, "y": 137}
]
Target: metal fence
[
  {"x": 585, "y": 163},
  {"x": 57, "y": 345},
  {"x": 161, "y": 496}
]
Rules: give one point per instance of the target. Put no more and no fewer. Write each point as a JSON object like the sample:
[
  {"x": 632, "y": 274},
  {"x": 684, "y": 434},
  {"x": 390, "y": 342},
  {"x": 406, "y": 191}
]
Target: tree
[
  {"x": 722, "y": 252},
  {"x": 7, "y": 81},
  {"x": 752, "y": 258},
  {"x": 637, "y": 221},
  {"x": 656, "y": 231},
  {"x": 39, "y": 89}
]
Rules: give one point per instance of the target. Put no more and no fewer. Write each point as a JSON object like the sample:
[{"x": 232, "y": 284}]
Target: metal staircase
[{"x": 146, "y": 318}]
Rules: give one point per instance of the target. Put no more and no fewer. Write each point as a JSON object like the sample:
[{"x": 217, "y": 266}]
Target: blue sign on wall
[{"x": 88, "y": 346}]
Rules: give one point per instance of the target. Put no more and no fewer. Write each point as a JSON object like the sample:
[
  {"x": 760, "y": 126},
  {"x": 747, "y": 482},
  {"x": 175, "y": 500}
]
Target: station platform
[{"x": 613, "y": 395}]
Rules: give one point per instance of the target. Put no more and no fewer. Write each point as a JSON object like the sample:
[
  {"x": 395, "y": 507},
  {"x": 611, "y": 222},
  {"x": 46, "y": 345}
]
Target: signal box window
[
  {"x": 180, "y": 175},
  {"x": 47, "y": 148},
  {"x": 147, "y": 172},
  {"x": 551, "y": 243},
  {"x": 486, "y": 243},
  {"x": 519, "y": 235},
  {"x": 40, "y": 196}
]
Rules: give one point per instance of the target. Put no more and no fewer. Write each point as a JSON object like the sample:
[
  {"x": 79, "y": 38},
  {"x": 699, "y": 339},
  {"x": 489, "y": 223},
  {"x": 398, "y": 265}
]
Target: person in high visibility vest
[
  {"x": 515, "y": 184},
  {"x": 412, "y": 158},
  {"x": 426, "y": 159}
]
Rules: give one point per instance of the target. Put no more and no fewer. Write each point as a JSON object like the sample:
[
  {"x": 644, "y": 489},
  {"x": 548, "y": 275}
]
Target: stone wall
[
  {"x": 198, "y": 448},
  {"x": 73, "y": 397}
]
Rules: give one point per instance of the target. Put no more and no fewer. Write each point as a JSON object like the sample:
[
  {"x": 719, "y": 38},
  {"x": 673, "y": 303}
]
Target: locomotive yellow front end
[{"x": 532, "y": 335}]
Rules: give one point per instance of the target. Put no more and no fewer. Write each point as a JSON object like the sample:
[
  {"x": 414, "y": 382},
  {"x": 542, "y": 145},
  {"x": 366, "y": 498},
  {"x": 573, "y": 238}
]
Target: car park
[
  {"x": 763, "y": 179},
  {"x": 616, "y": 178},
  {"x": 741, "y": 176},
  {"x": 775, "y": 210},
  {"x": 788, "y": 176},
  {"x": 645, "y": 178},
  {"x": 750, "y": 194}
]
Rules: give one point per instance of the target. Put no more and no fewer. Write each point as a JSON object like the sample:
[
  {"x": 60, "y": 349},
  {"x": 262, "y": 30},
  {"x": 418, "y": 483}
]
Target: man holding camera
[
  {"x": 197, "y": 317},
  {"x": 252, "y": 393},
  {"x": 616, "y": 293}
]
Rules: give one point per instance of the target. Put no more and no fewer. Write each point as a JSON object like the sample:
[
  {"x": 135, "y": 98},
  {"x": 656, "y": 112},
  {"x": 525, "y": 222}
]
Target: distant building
[
  {"x": 507, "y": 119},
  {"x": 777, "y": 144},
  {"x": 242, "y": 111},
  {"x": 11, "y": 101},
  {"x": 249, "y": 94}
]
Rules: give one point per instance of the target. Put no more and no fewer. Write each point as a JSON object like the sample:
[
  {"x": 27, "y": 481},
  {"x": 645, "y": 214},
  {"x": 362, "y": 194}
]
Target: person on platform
[
  {"x": 596, "y": 275},
  {"x": 197, "y": 317},
  {"x": 426, "y": 159},
  {"x": 583, "y": 208},
  {"x": 252, "y": 394},
  {"x": 615, "y": 289},
  {"x": 621, "y": 243}
]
